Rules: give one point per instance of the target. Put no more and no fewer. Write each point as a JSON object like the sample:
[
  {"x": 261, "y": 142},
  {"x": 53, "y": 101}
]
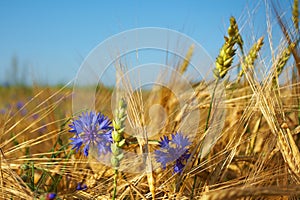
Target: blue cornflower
[
  {"x": 35, "y": 116},
  {"x": 2, "y": 111},
  {"x": 50, "y": 196},
  {"x": 81, "y": 186},
  {"x": 172, "y": 150},
  {"x": 92, "y": 129},
  {"x": 20, "y": 106}
]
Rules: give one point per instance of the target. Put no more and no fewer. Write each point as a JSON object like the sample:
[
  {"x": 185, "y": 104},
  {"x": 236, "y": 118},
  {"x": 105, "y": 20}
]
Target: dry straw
[{"x": 256, "y": 156}]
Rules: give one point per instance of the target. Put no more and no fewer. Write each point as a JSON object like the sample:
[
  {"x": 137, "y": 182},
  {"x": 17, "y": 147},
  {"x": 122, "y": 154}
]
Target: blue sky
[{"x": 50, "y": 39}]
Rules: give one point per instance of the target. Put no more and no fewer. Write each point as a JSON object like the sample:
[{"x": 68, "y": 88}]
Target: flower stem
[
  {"x": 206, "y": 127},
  {"x": 115, "y": 184}
]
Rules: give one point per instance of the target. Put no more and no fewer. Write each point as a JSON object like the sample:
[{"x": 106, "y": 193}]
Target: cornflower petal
[
  {"x": 180, "y": 140},
  {"x": 164, "y": 142},
  {"x": 77, "y": 142},
  {"x": 86, "y": 149},
  {"x": 178, "y": 167}
]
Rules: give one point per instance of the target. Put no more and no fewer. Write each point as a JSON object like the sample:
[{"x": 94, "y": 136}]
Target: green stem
[
  {"x": 206, "y": 127},
  {"x": 56, "y": 182},
  {"x": 115, "y": 184},
  {"x": 211, "y": 103}
]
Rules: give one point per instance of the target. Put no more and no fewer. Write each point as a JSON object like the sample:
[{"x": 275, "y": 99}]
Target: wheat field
[{"x": 246, "y": 142}]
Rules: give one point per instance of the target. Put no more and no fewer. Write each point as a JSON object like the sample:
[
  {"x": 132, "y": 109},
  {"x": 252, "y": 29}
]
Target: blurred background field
[{"x": 254, "y": 156}]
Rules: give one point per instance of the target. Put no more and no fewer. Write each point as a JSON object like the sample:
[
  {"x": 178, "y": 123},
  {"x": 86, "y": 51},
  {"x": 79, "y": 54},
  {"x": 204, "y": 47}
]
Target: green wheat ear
[
  {"x": 251, "y": 57},
  {"x": 295, "y": 14},
  {"x": 283, "y": 58},
  {"x": 118, "y": 141},
  {"x": 234, "y": 33},
  {"x": 187, "y": 59},
  {"x": 227, "y": 52}
]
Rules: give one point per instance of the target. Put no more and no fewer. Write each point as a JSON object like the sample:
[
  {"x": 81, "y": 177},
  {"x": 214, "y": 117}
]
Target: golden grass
[{"x": 254, "y": 156}]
